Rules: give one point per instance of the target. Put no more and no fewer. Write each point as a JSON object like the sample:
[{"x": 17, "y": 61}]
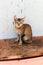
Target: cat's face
[{"x": 18, "y": 21}]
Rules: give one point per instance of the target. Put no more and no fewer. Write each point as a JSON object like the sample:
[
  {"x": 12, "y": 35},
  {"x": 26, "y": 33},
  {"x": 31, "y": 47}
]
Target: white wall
[
  {"x": 34, "y": 13},
  {"x": 32, "y": 9}
]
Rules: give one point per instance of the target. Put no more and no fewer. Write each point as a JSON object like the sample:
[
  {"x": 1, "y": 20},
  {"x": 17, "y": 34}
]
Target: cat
[{"x": 24, "y": 31}]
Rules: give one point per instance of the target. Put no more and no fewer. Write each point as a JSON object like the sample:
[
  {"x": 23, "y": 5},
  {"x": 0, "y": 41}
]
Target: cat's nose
[{"x": 18, "y": 24}]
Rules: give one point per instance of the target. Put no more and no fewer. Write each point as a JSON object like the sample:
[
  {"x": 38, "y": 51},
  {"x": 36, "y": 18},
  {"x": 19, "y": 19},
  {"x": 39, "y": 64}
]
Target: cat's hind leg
[{"x": 27, "y": 39}]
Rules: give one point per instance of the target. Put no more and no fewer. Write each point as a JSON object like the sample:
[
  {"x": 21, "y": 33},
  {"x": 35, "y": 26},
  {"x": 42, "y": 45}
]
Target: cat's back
[{"x": 27, "y": 26}]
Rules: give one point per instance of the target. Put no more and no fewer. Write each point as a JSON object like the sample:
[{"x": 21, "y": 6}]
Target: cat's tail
[{"x": 27, "y": 41}]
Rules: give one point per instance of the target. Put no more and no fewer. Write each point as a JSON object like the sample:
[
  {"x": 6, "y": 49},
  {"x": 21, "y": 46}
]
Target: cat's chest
[{"x": 19, "y": 31}]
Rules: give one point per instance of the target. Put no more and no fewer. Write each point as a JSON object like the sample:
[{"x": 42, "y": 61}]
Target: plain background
[{"x": 31, "y": 9}]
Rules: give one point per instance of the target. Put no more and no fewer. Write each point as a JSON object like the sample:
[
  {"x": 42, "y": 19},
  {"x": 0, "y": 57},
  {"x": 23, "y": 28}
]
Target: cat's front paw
[
  {"x": 20, "y": 43},
  {"x": 16, "y": 40}
]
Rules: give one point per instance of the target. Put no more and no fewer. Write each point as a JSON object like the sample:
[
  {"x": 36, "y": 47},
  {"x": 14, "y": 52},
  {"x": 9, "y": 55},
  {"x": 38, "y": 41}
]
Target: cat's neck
[{"x": 20, "y": 27}]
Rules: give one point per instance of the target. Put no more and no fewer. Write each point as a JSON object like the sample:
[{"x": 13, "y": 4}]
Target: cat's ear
[
  {"x": 15, "y": 18},
  {"x": 23, "y": 18}
]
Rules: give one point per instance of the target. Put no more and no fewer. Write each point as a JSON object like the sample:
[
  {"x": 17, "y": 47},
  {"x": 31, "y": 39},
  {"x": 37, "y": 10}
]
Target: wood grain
[{"x": 9, "y": 49}]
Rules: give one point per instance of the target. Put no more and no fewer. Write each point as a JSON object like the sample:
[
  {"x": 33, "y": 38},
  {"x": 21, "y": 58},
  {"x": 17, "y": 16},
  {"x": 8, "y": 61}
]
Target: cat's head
[{"x": 18, "y": 21}]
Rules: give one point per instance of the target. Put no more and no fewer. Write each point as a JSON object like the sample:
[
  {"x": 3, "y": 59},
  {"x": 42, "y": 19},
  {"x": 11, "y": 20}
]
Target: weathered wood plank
[{"x": 11, "y": 50}]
